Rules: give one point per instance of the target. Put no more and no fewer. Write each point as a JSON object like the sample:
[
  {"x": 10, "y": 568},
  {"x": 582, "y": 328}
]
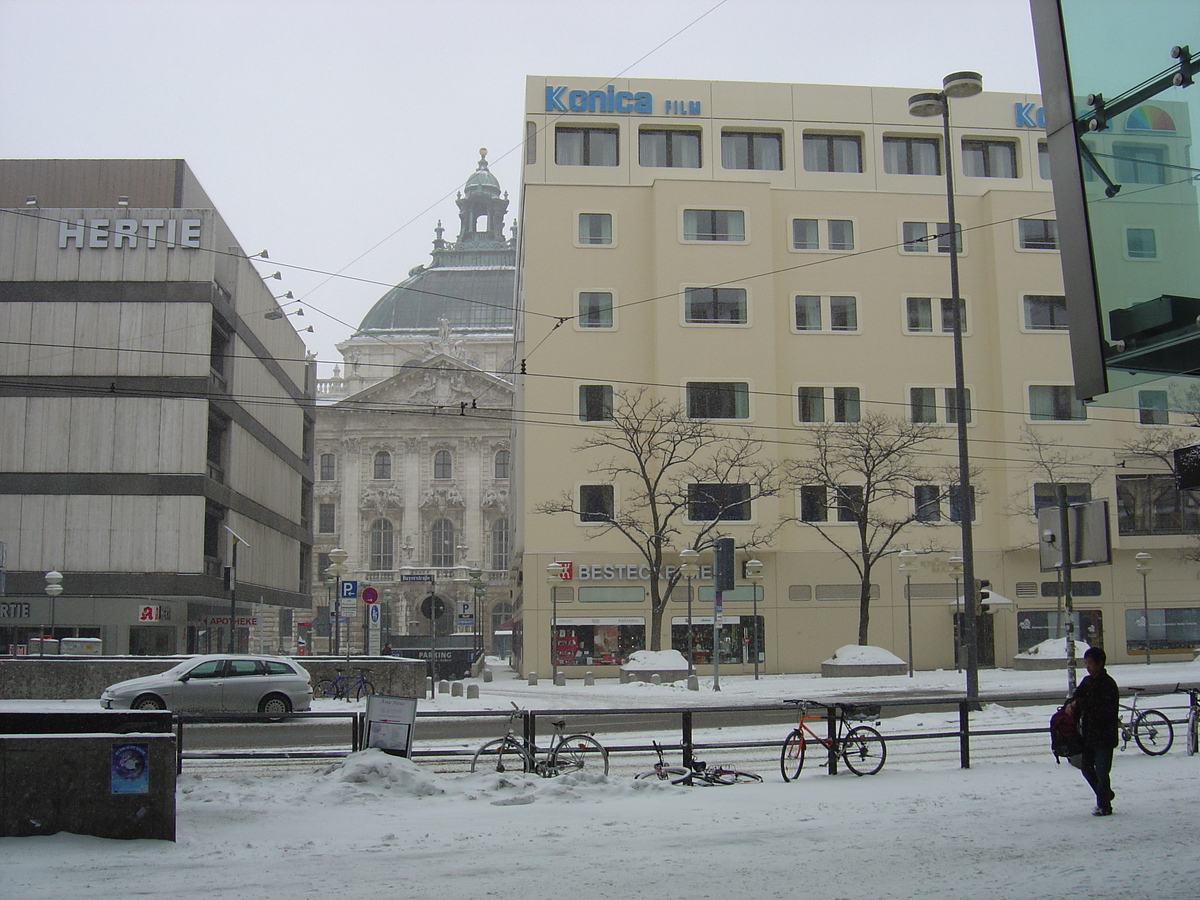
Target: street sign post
[{"x": 349, "y": 590}]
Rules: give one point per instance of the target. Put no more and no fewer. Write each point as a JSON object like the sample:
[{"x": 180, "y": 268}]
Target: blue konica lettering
[
  {"x": 1029, "y": 116},
  {"x": 609, "y": 100}
]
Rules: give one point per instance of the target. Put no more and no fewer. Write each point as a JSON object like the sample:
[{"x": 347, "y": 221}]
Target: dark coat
[{"x": 1097, "y": 707}]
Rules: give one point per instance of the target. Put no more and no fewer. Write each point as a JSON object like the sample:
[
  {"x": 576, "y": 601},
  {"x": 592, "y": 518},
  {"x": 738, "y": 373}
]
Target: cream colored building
[{"x": 810, "y": 208}]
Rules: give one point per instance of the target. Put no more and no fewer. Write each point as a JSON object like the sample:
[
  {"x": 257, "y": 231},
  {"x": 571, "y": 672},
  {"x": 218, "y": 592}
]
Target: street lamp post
[
  {"x": 689, "y": 568},
  {"x": 908, "y": 565},
  {"x": 337, "y": 568},
  {"x": 330, "y": 581},
  {"x": 385, "y": 620},
  {"x": 477, "y": 587},
  {"x": 1144, "y": 569},
  {"x": 53, "y": 589},
  {"x": 956, "y": 570},
  {"x": 554, "y": 574},
  {"x": 754, "y": 575},
  {"x": 924, "y": 105}
]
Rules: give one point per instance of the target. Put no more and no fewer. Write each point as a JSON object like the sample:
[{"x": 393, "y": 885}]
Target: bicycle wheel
[
  {"x": 1193, "y": 738},
  {"x": 734, "y": 776},
  {"x": 1153, "y": 732},
  {"x": 791, "y": 755},
  {"x": 578, "y": 751},
  {"x": 673, "y": 774},
  {"x": 364, "y": 688},
  {"x": 501, "y": 755},
  {"x": 324, "y": 688},
  {"x": 864, "y": 750}
]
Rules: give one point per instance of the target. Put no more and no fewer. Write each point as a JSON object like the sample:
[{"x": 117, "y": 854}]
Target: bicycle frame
[{"x": 836, "y": 725}]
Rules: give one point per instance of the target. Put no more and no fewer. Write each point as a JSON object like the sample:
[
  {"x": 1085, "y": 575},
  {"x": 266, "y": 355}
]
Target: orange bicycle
[{"x": 862, "y": 747}]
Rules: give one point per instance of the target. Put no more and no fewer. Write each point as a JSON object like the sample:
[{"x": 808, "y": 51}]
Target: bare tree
[
  {"x": 671, "y": 468},
  {"x": 1050, "y": 462},
  {"x": 868, "y": 470}
]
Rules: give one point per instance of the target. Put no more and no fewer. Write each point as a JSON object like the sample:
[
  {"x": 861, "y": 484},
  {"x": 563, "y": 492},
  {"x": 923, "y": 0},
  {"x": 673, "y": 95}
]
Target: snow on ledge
[
  {"x": 857, "y": 655},
  {"x": 656, "y": 661}
]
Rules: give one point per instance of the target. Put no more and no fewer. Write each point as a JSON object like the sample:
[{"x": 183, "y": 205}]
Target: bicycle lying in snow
[{"x": 699, "y": 773}]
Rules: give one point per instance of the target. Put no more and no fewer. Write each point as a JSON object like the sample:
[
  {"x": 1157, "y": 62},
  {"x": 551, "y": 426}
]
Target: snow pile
[
  {"x": 656, "y": 661},
  {"x": 858, "y": 655},
  {"x": 1054, "y": 648}
]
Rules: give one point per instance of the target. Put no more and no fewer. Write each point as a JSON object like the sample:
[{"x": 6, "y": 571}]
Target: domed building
[{"x": 413, "y": 444}]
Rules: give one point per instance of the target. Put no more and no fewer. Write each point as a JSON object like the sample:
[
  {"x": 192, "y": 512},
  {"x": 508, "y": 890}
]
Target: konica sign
[
  {"x": 610, "y": 100},
  {"x": 1029, "y": 116}
]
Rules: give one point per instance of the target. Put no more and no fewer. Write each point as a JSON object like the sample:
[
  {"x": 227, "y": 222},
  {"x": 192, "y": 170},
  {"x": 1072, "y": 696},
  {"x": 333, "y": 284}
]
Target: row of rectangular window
[
  {"x": 681, "y": 148},
  {"x": 381, "y": 465},
  {"x": 816, "y": 404},
  {"x": 835, "y": 312}
]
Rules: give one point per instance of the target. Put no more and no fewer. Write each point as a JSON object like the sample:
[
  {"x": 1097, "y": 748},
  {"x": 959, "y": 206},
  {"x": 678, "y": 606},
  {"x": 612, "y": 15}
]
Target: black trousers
[{"x": 1096, "y": 766}]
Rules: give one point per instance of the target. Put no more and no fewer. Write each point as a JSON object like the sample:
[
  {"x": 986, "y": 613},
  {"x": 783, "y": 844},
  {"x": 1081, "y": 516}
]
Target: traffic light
[
  {"x": 723, "y": 565},
  {"x": 983, "y": 593}
]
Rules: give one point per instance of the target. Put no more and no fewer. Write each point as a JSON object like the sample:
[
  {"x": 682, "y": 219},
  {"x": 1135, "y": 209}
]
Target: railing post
[
  {"x": 179, "y": 745},
  {"x": 831, "y": 717},
  {"x": 964, "y": 734},
  {"x": 530, "y": 729},
  {"x": 687, "y": 739}
]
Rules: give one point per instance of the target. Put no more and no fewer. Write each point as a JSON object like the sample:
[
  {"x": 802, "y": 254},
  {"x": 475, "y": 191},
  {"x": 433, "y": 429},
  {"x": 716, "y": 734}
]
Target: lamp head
[
  {"x": 926, "y": 104},
  {"x": 962, "y": 84},
  {"x": 1143, "y": 562},
  {"x": 554, "y": 572}
]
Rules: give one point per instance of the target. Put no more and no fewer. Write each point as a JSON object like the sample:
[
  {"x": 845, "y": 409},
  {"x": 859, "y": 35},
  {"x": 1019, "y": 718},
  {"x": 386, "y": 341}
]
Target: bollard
[
  {"x": 589, "y": 679},
  {"x": 487, "y": 676},
  {"x": 693, "y": 682},
  {"x": 472, "y": 692},
  {"x": 560, "y": 679},
  {"x": 656, "y": 678},
  {"x": 533, "y": 677},
  {"x": 443, "y": 686},
  {"x": 428, "y": 687},
  {"x": 456, "y": 689}
]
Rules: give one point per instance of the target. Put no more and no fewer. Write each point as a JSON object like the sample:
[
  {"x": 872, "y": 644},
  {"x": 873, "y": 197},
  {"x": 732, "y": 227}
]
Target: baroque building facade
[{"x": 413, "y": 445}]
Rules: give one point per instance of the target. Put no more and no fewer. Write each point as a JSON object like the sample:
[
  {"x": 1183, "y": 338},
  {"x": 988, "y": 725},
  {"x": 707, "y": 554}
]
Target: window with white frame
[
  {"x": 930, "y": 315},
  {"x": 823, "y": 234},
  {"x": 714, "y": 225},
  {"x": 1043, "y": 151},
  {"x": 718, "y": 400},
  {"x": 918, "y": 237},
  {"x": 500, "y": 545},
  {"x": 382, "y": 466},
  {"x": 719, "y": 502},
  {"x": 715, "y": 306},
  {"x": 1045, "y": 312},
  {"x": 595, "y": 402},
  {"x": 1139, "y": 164},
  {"x": 837, "y": 312},
  {"x": 443, "y": 464},
  {"x": 441, "y": 544},
  {"x": 328, "y": 467},
  {"x": 382, "y": 544},
  {"x": 989, "y": 159},
  {"x": 936, "y": 406},
  {"x": 1141, "y": 243},
  {"x": 595, "y": 309},
  {"x": 937, "y": 503},
  {"x": 816, "y": 404},
  {"x": 595, "y": 229},
  {"x": 1038, "y": 234},
  {"x": 1152, "y": 408},
  {"x": 954, "y": 496},
  {"x": 671, "y": 148},
  {"x": 832, "y": 152},
  {"x": 815, "y": 505},
  {"x": 581, "y": 146},
  {"x": 1055, "y": 403},
  {"x": 912, "y": 155},
  {"x": 1045, "y": 493},
  {"x": 596, "y": 503},
  {"x": 751, "y": 150},
  {"x": 502, "y": 464}
]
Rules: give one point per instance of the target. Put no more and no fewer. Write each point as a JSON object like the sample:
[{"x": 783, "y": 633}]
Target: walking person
[{"x": 1096, "y": 706}]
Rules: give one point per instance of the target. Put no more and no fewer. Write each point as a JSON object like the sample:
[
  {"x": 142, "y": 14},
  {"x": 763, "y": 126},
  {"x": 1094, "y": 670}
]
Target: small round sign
[{"x": 370, "y": 595}]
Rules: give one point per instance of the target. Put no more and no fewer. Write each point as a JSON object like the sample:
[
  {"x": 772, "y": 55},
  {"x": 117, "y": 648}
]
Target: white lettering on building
[
  {"x": 632, "y": 573},
  {"x": 119, "y": 234}
]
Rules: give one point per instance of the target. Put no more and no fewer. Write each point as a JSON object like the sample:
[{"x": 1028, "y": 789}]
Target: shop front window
[
  {"x": 597, "y": 644},
  {"x": 735, "y": 638}
]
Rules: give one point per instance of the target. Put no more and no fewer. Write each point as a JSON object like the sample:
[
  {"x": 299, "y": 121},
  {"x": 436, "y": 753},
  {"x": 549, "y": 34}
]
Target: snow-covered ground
[{"x": 1012, "y": 826}]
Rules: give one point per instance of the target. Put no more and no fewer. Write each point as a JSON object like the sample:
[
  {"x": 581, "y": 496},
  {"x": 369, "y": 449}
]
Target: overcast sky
[{"x": 334, "y": 133}]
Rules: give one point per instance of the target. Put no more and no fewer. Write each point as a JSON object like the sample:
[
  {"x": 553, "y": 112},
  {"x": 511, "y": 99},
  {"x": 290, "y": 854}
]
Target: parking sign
[{"x": 349, "y": 590}]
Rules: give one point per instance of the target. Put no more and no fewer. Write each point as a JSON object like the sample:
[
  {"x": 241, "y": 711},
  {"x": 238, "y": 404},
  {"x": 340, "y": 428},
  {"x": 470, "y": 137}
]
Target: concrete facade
[
  {"x": 151, "y": 412},
  {"x": 820, "y": 207}
]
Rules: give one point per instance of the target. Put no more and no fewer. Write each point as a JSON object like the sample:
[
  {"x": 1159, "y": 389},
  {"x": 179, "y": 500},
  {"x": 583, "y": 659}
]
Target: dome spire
[{"x": 481, "y": 200}]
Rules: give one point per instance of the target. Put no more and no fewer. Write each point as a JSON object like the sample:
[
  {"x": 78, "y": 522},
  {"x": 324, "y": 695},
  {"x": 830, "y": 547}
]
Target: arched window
[
  {"x": 383, "y": 466},
  {"x": 500, "y": 545},
  {"x": 502, "y": 461},
  {"x": 328, "y": 467},
  {"x": 501, "y": 613},
  {"x": 442, "y": 467},
  {"x": 441, "y": 550},
  {"x": 382, "y": 545}
]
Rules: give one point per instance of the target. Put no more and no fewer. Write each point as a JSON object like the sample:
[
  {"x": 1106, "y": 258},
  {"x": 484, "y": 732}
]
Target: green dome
[{"x": 482, "y": 180}]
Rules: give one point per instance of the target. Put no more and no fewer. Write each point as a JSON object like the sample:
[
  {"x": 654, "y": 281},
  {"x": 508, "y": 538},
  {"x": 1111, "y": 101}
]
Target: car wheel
[
  {"x": 148, "y": 701},
  {"x": 274, "y": 705}
]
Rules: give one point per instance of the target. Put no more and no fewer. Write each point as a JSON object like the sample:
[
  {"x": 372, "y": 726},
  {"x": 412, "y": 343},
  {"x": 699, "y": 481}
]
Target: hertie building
[
  {"x": 156, "y": 420},
  {"x": 758, "y": 275}
]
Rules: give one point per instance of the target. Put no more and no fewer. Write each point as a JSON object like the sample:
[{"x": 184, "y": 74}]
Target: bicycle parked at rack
[
  {"x": 345, "y": 686},
  {"x": 1149, "y": 728},
  {"x": 1193, "y": 717},
  {"x": 862, "y": 747},
  {"x": 700, "y": 773},
  {"x": 566, "y": 753}
]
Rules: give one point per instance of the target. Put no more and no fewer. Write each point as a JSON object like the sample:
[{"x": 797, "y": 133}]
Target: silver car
[{"x": 218, "y": 683}]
